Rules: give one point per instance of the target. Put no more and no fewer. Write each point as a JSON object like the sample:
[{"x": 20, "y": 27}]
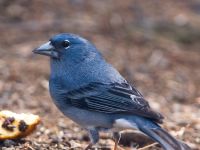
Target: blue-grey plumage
[{"x": 93, "y": 94}]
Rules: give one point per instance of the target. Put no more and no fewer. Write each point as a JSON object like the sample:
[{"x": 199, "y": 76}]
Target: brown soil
[{"x": 154, "y": 44}]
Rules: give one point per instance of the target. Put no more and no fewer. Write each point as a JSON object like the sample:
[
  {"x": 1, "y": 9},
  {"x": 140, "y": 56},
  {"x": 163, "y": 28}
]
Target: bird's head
[{"x": 67, "y": 47}]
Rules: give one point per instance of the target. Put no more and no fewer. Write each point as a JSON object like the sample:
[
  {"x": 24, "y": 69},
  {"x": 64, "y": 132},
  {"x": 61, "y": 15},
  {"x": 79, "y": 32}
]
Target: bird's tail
[{"x": 165, "y": 139}]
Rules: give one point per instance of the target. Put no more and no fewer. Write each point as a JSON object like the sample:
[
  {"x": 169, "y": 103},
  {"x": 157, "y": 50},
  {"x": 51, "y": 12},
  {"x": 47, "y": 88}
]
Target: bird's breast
[{"x": 58, "y": 92}]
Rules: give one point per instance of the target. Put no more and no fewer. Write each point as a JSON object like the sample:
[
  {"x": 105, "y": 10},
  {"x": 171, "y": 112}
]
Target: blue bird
[{"x": 92, "y": 93}]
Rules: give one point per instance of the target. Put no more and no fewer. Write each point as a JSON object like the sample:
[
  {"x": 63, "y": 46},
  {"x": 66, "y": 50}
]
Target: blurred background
[{"x": 154, "y": 44}]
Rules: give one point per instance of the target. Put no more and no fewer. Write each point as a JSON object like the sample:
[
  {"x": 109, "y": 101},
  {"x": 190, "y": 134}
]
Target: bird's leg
[
  {"x": 94, "y": 137},
  {"x": 116, "y": 137}
]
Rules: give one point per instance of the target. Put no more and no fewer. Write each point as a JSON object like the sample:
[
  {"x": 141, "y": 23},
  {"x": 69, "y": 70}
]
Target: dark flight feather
[{"x": 113, "y": 99}]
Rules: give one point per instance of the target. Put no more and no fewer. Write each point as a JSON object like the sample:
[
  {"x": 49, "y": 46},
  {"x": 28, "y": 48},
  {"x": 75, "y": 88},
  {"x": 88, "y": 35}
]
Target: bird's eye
[{"x": 65, "y": 43}]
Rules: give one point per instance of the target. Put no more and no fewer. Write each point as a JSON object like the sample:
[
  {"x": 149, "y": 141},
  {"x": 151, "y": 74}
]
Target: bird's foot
[
  {"x": 89, "y": 146},
  {"x": 116, "y": 143}
]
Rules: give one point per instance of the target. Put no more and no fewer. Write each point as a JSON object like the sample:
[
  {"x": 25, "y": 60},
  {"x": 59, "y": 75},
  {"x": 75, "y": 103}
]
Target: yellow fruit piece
[{"x": 14, "y": 126}]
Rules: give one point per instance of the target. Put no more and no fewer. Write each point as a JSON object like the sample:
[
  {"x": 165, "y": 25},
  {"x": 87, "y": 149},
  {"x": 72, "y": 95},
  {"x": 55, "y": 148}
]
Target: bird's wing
[{"x": 112, "y": 98}]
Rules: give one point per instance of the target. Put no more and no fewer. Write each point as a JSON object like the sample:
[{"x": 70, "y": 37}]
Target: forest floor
[{"x": 155, "y": 46}]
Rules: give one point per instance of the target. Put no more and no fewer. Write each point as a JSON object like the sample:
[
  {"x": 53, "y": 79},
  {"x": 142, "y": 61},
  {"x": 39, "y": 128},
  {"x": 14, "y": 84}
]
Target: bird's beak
[{"x": 47, "y": 49}]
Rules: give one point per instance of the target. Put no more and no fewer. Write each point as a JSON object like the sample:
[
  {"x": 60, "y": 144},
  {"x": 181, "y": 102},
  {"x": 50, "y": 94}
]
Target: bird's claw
[{"x": 89, "y": 146}]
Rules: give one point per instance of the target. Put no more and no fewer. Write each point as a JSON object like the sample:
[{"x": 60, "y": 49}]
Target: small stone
[
  {"x": 9, "y": 143},
  {"x": 55, "y": 140}
]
